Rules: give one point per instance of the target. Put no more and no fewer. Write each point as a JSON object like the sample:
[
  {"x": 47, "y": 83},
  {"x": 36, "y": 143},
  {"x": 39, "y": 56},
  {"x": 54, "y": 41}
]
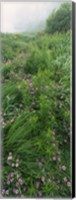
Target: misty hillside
[{"x": 25, "y": 16}]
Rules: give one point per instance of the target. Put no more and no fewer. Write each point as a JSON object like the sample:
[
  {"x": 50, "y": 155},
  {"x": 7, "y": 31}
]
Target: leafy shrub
[
  {"x": 60, "y": 20},
  {"x": 6, "y": 70},
  {"x": 37, "y": 60}
]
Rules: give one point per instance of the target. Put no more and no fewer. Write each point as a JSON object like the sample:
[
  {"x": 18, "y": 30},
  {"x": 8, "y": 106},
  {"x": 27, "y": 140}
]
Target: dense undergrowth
[{"x": 36, "y": 114}]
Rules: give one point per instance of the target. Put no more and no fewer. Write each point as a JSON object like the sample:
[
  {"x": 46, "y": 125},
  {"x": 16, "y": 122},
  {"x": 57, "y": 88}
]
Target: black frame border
[{"x": 73, "y": 99}]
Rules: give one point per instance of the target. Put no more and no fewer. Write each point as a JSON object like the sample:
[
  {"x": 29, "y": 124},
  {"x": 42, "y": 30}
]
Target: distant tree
[{"x": 59, "y": 20}]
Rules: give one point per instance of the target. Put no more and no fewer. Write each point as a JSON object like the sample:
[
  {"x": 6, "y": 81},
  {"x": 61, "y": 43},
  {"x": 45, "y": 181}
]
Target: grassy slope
[{"x": 36, "y": 96}]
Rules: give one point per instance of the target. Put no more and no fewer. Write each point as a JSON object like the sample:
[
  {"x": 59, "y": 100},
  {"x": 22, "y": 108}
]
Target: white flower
[
  {"x": 3, "y": 191},
  {"x": 65, "y": 141},
  {"x": 58, "y": 152},
  {"x": 53, "y": 144},
  {"x": 49, "y": 180},
  {"x": 53, "y": 133},
  {"x": 18, "y": 175},
  {"x": 10, "y": 153},
  {"x": 9, "y": 158},
  {"x": 17, "y": 164},
  {"x": 64, "y": 168},
  {"x": 8, "y": 182},
  {"x": 59, "y": 159},
  {"x": 13, "y": 164},
  {"x": 7, "y": 192},
  {"x": 68, "y": 184}
]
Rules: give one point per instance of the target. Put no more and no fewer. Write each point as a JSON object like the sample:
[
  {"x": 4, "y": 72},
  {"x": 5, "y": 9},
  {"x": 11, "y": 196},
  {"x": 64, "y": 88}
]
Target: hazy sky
[{"x": 17, "y": 17}]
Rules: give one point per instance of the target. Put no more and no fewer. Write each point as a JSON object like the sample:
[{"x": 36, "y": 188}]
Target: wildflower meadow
[{"x": 35, "y": 115}]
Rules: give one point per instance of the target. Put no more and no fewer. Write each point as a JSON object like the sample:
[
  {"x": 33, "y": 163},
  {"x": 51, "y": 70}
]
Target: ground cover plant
[{"x": 36, "y": 112}]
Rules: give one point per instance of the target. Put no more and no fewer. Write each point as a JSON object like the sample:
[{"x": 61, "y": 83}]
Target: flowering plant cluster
[{"x": 13, "y": 183}]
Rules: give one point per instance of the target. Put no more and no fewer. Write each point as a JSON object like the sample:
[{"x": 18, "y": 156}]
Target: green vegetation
[
  {"x": 60, "y": 20},
  {"x": 36, "y": 114}
]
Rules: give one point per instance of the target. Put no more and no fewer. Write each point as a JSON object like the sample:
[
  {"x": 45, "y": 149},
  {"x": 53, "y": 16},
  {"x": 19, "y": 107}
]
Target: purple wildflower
[
  {"x": 40, "y": 194},
  {"x": 65, "y": 179},
  {"x": 37, "y": 184},
  {"x": 20, "y": 181},
  {"x": 12, "y": 174},
  {"x": 69, "y": 184},
  {"x": 8, "y": 182},
  {"x": 15, "y": 191},
  {"x": 3, "y": 191},
  {"x": 43, "y": 179}
]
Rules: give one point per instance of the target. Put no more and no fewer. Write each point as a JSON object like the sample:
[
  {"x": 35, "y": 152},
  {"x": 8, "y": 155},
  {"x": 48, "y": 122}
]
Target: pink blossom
[
  {"x": 43, "y": 179},
  {"x": 17, "y": 184},
  {"x": 24, "y": 189},
  {"x": 54, "y": 158},
  {"x": 68, "y": 184},
  {"x": 40, "y": 194},
  {"x": 3, "y": 191},
  {"x": 37, "y": 184},
  {"x": 11, "y": 180},
  {"x": 12, "y": 174},
  {"x": 20, "y": 181},
  {"x": 65, "y": 179},
  {"x": 15, "y": 191},
  {"x": 8, "y": 182}
]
